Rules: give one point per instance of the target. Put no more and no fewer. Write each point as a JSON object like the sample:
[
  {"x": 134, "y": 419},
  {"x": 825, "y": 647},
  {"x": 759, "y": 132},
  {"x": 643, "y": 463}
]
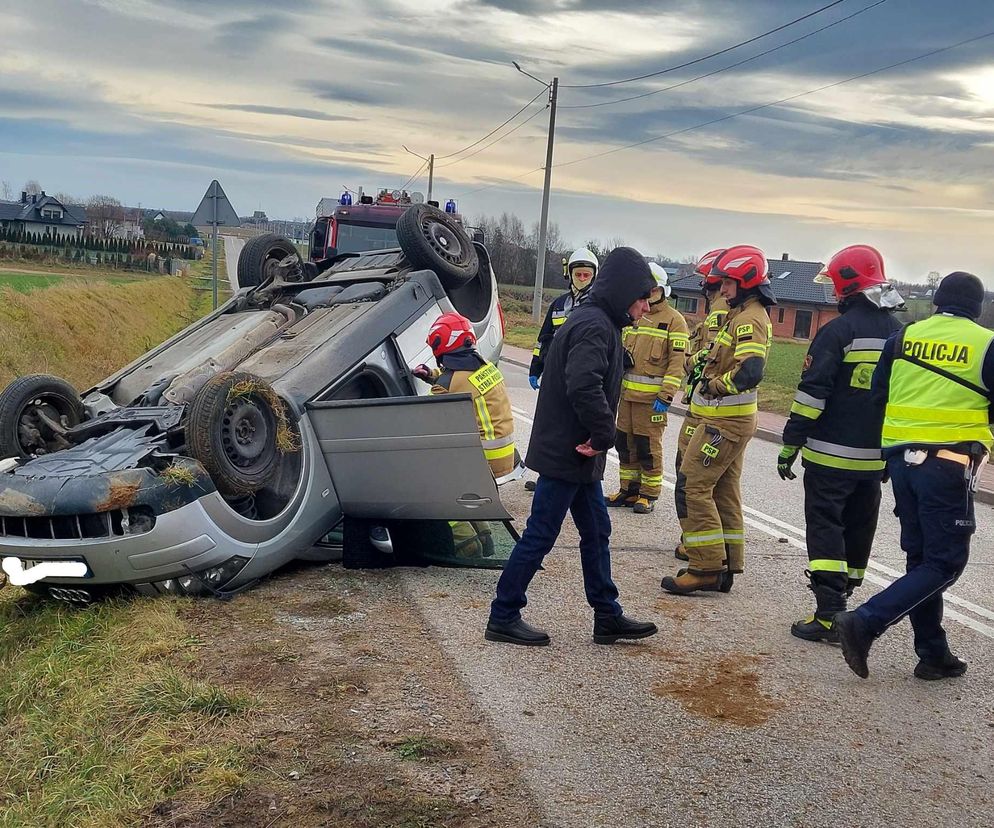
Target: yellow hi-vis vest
[{"x": 925, "y": 408}]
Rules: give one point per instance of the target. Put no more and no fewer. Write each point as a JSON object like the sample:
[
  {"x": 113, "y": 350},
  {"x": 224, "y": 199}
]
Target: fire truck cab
[{"x": 353, "y": 224}]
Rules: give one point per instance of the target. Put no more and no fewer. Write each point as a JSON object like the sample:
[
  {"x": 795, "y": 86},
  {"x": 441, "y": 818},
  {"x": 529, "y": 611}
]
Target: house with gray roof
[
  {"x": 803, "y": 306},
  {"x": 41, "y": 213}
]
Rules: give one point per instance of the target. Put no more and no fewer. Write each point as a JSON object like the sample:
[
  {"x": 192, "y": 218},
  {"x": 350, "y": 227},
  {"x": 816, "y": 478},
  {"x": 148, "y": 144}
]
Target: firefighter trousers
[
  {"x": 639, "y": 441},
  {"x": 713, "y": 531},
  {"x": 841, "y": 516},
  {"x": 690, "y": 423}
]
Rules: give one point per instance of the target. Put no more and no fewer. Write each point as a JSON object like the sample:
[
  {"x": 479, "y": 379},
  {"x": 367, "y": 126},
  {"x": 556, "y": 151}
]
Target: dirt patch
[
  {"x": 121, "y": 494},
  {"x": 361, "y": 720},
  {"x": 725, "y": 690}
]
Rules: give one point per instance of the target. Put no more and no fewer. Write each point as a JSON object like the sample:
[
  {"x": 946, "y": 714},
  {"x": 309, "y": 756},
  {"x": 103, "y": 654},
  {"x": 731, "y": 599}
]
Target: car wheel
[
  {"x": 35, "y": 413},
  {"x": 261, "y": 258},
  {"x": 233, "y": 429},
  {"x": 433, "y": 240}
]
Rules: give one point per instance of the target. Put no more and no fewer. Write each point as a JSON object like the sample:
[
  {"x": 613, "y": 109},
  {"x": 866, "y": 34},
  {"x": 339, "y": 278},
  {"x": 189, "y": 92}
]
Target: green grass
[
  {"x": 98, "y": 720},
  {"x": 783, "y": 370},
  {"x": 26, "y": 282}
]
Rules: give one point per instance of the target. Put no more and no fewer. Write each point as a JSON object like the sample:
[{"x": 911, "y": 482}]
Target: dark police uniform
[
  {"x": 936, "y": 377},
  {"x": 560, "y": 309},
  {"x": 837, "y": 425}
]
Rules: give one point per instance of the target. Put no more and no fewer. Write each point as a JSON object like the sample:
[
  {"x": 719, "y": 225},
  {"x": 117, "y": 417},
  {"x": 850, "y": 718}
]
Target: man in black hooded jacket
[{"x": 574, "y": 427}]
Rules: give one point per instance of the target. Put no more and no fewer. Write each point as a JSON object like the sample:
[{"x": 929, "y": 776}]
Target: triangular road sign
[{"x": 215, "y": 200}]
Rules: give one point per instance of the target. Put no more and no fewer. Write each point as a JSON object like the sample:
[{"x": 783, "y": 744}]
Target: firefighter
[
  {"x": 657, "y": 344},
  {"x": 580, "y": 271},
  {"x": 461, "y": 370},
  {"x": 835, "y": 426},
  {"x": 725, "y": 398},
  {"x": 936, "y": 377},
  {"x": 701, "y": 337}
]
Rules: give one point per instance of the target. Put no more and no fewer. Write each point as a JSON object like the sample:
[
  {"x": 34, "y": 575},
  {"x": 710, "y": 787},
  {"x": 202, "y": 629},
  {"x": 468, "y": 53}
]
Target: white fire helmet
[
  {"x": 662, "y": 279},
  {"x": 582, "y": 256}
]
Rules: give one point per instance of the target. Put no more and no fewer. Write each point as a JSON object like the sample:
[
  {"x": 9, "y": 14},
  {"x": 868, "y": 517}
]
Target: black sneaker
[
  {"x": 948, "y": 667},
  {"x": 517, "y": 632},
  {"x": 856, "y": 640},
  {"x": 610, "y": 628}
]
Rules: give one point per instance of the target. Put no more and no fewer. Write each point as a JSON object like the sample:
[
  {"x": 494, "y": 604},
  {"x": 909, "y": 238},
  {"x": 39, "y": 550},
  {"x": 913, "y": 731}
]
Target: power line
[
  {"x": 416, "y": 174},
  {"x": 497, "y": 140},
  {"x": 706, "y": 57},
  {"x": 495, "y": 129},
  {"x": 779, "y": 102},
  {"x": 730, "y": 66}
]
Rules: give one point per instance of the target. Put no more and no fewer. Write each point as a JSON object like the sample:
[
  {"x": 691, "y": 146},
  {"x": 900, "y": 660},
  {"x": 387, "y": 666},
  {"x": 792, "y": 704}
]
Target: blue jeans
[
  {"x": 553, "y": 498},
  {"x": 935, "y": 507}
]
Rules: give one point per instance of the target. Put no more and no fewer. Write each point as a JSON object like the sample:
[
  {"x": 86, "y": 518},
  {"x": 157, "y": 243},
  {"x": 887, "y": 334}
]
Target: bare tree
[
  {"x": 31, "y": 187},
  {"x": 6, "y": 193},
  {"x": 105, "y": 215},
  {"x": 64, "y": 198}
]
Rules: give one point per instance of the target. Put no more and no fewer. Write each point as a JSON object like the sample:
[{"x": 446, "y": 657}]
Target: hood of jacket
[
  {"x": 466, "y": 358},
  {"x": 621, "y": 280}
]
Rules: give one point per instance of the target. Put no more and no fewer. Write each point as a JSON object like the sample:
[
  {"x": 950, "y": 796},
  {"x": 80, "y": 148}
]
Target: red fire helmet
[
  {"x": 853, "y": 269},
  {"x": 743, "y": 263},
  {"x": 450, "y": 332},
  {"x": 704, "y": 265}
]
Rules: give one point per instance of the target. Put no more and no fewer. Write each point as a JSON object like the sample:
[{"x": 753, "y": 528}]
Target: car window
[{"x": 356, "y": 238}]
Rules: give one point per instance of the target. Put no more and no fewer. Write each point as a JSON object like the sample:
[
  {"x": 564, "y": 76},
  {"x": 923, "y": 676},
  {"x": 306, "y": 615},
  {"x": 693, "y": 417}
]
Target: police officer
[
  {"x": 726, "y": 400},
  {"x": 835, "y": 426},
  {"x": 462, "y": 370},
  {"x": 701, "y": 337},
  {"x": 581, "y": 269},
  {"x": 657, "y": 344},
  {"x": 936, "y": 376}
]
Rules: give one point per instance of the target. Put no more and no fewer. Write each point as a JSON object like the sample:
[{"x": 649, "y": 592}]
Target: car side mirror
[{"x": 479, "y": 236}]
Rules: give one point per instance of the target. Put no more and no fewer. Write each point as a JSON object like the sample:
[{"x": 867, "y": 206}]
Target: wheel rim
[
  {"x": 274, "y": 263},
  {"x": 442, "y": 240},
  {"x": 34, "y": 434},
  {"x": 248, "y": 435}
]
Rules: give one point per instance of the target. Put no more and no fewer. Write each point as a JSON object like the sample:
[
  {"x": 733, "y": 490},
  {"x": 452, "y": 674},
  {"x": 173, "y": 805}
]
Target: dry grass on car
[{"x": 287, "y": 439}]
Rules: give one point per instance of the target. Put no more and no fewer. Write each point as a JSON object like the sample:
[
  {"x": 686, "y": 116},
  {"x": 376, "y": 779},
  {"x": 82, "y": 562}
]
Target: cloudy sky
[{"x": 287, "y": 101}]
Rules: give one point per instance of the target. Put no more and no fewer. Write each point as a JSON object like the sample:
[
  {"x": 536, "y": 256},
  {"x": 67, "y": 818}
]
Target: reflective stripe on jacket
[
  {"x": 735, "y": 364},
  {"x": 657, "y": 344},
  {"x": 925, "y": 408},
  {"x": 493, "y": 411},
  {"x": 834, "y": 417},
  {"x": 560, "y": 309}
]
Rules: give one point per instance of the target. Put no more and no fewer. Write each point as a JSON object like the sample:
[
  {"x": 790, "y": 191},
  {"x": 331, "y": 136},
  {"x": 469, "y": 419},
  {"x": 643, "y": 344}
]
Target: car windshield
[{"x": 355, "y": 238}]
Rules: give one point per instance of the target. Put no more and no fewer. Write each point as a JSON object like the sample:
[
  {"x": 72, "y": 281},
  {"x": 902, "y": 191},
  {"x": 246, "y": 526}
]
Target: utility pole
[
  {"x": 544, "y": 221},
  {"x": 431, "y": 174}
]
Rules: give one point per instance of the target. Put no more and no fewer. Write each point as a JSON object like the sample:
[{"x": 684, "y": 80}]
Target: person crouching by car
[
  {"x": 461, "y": 370},
  {"x": 573, "y": 430}
]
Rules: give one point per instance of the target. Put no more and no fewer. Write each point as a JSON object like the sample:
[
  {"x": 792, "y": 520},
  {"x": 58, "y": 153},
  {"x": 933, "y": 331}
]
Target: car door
[{"x": 407, "y": 458}]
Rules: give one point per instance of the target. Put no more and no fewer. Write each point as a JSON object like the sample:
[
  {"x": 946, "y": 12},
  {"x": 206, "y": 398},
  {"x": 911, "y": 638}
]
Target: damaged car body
[{"x": 237, "y": 445}]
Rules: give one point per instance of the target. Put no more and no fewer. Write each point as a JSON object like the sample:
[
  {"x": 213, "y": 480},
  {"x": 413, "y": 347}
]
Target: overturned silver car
[{"x": 240, "y": 443}]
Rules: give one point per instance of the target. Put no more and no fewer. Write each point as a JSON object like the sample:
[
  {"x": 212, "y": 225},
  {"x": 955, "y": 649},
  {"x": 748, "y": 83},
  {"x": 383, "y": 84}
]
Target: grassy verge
[
  {"x": 98, "y": 717},
  {"x": 26, "y": 282},
  {"x": 782, "y": 374},
  {"x": 84, "y": 331},
  {"x": 516, "y": 302}
]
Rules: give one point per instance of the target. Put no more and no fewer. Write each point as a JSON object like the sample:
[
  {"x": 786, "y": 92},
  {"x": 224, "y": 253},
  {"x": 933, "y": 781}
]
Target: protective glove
[
  {"x": 785, "y": 460},
  {"x": 533, "y": 382},
  {"x": 659, "y": 406},
  {"x": 422, "y": 372}
]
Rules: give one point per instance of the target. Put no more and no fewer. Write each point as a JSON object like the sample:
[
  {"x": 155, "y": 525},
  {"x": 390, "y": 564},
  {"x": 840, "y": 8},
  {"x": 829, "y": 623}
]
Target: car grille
[{"x": 65, "y": 527}]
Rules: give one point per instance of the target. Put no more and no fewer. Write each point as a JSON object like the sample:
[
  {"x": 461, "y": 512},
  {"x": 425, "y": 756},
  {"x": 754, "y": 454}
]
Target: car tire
[
  {"x": 261, "y": 256},
  {"x": 46, "y": 395},
  {"x": 433, "y": 240},
  {"x": 231, "y": 429}
]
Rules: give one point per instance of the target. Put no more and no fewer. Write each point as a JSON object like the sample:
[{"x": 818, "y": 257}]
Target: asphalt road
[
  {"x": 232, "y": 248},
  {"x": 724, "y": 719}
]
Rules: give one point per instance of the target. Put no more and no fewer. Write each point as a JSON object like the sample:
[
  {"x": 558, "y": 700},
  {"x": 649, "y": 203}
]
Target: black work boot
[
  {"x": 947, "y": 667},
  {"x": 624, "y": 497},
  {"x": 830, "y": 599},
  {"x": 856, "y": 640},
  {"x": 644, "y": 505},
  {"x": 517, "y": 632},
  {"x": 610, "y": 628}
]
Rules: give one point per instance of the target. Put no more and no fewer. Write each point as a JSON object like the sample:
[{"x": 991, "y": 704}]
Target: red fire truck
[{"x": 360, "y": 223}]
